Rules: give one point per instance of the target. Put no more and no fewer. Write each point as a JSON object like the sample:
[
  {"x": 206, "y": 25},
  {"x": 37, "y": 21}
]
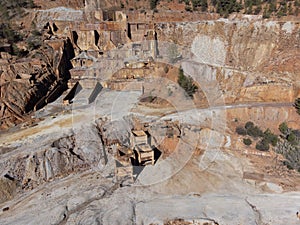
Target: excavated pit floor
[{"x": 207, "y": 187}]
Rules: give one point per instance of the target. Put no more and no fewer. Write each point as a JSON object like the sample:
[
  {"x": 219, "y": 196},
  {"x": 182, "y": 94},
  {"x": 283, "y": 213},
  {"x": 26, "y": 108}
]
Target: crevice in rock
[
  {"x": 83, "y": 205},
  {"x": 73, "y": 153},
  {"x": 9, "y": 177},
  {"x": 210, "y": 219},
  {"x": 133, "y": 212},
  {"x": 258, "y": 219},
  {"x": 102, "y": 142}
]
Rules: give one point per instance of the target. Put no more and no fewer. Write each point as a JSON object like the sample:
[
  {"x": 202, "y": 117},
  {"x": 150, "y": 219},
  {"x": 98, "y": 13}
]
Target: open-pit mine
[{"x": 149, "y": 112}]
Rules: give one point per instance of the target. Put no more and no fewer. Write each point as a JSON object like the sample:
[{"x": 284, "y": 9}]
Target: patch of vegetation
[
  {"x": 271, "y": 138},
  {"x": 200, "y": 3},
  {"x": 10, "y": 34},
  {"x": 262, "y": 145},
  {"x": 254, "y": 133},
  {"x": 289, "y": 146},
  {"x": 226, "y": 7},
  {"x": 249, "y": 125},
  {"x": 153, "y": 4},
  {"x": 283, "y": 128},
  {"x": 247, "y": 141},
  {"x": 10, "y": 9},
  {"x": 241, "y": 130},
  {"x": 268, "y": 8},
  {"x": 187, "y": 83},
  {"x": 282, "y": 9},
  {"x": 291, "y": 154},
  {"x": 297, "y": 105}
]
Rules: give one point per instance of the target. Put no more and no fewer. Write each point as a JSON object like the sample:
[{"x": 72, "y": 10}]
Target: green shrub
[
  {"x": 186, "y": 83},
  {"x": 249, "y": 124},
  {"x": 202, "y": 3},
  {"x": 225, "y": 7},
  {"x": 262, "y": 145},
  {"x": 14, "y": 8},
  {"x": 283, "y": 128},
  {"x": 270, "y": 137},
  {"x": 288, "y": 165},
  {"x": 247, "y": 141},
  {"x": 297, "y": 105},
  {"x": 153, "y": 4},
  {"x": 255, "y": 132},
  {"x": 7, "y": 32},
  {"x": 292, "y": 138},
  {"x": 241, "y": 130}
]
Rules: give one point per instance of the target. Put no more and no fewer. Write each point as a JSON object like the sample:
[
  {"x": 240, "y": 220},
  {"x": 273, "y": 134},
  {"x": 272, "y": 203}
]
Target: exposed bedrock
[
  {"x": 243, "y": 60},
  {"x": 31, "y": 83},
  {"x": 77, "y": 152}
]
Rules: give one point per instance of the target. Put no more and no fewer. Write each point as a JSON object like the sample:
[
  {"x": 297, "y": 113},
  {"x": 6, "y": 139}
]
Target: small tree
[
  {"x": 283, "y": 128},
  {"x": 186, "y": 83},
  {"x": 292, "y": 138},
  {"x": 30, "y": 4},
  {"x": 270, "y": 137},
  {"x": 249, "y": 124},
  {"x": 247, "y": 141},
  {"x": 297, "y": 105},
  {"x": 241, "y": 131},
  {"x": 153, "y": 4},
  {"x": 262, "y": 145},
  {"x": 255, "y": 132}
]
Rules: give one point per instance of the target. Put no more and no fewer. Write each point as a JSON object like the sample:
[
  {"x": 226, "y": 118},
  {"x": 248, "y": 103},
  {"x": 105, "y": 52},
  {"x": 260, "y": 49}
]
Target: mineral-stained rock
[{"x": 46, "y": 74}]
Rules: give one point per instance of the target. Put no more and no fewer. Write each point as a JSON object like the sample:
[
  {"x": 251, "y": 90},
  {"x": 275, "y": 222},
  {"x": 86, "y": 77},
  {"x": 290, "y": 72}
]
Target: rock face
[
  {"x": 29, "y": 84},
  {"x": 240, "y": 58},
  {"x": 19, "y": 95},
  {"x": 62, "y": 171},
  {"x": 237, "y": 58},
  {"x": 77, "y": 4},
  {"x": 80, "y": 151}
]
